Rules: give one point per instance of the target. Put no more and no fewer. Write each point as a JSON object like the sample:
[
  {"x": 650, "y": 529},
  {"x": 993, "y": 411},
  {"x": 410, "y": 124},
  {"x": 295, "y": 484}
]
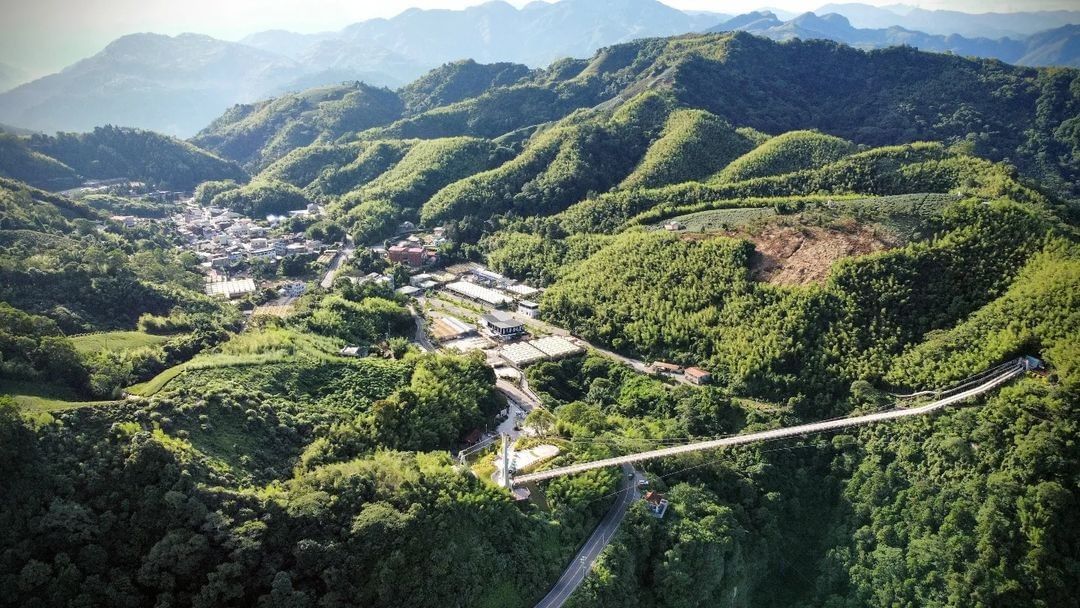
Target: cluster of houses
[
  {"x": 417, "y": 249},
  {"x": 474, "y": 282},
  {"x": 223, "y": 238},
  {"x": 694, "y": 375}
]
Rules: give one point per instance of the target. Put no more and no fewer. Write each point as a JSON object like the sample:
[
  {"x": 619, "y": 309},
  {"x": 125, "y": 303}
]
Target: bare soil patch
[{"x": 799, "y": 255}]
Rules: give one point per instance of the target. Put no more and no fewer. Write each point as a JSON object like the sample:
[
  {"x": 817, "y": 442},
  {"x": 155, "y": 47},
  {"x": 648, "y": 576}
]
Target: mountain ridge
[
  {"x": 1055, "y": 47},
  {"x": 179, "y": 84}
]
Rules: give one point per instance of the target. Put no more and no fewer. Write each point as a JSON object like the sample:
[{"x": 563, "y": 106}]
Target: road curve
[
  {"x": 421, "y": 337},
  {"x": 791, "y": 431},
  {"x": 580, "y": 566}
]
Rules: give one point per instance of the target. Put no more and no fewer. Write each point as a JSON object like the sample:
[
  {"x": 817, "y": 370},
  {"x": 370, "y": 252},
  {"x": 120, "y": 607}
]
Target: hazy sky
[{"x": 41, "y": 36}]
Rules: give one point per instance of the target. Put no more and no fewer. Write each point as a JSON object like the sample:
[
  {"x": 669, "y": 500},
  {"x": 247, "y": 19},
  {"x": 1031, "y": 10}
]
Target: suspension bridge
[
  {"x": 970, "y": 387},
  {"x": 576, "y": 572}
]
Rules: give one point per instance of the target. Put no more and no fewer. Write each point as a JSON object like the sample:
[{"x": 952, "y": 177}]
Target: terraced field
[
  {"x": 904, "y": 214},
  {"x": 716, "y": 220}
]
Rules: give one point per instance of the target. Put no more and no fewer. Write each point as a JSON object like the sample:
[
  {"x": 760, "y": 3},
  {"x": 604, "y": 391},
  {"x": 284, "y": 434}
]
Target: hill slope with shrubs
[{"x": 252, "y": 464}]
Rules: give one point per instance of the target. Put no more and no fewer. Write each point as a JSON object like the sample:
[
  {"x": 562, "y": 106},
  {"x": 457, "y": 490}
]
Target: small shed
[
  {"x": 656, "y": 503},
  {"x": 663, "y": 367}
]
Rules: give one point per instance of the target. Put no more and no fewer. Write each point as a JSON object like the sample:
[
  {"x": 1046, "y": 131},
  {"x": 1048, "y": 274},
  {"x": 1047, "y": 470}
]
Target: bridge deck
[{"x": 804, "y": 429}]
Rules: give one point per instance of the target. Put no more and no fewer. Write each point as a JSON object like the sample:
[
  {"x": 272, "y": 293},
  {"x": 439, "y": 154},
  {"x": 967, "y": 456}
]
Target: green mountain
[
  {"x": 992, "y": 109},
  {"x": 260, "y": 133},
  {"x": 62, "y": 160},
  {"x": 821, "y": 229},
  {"x": 20, "y": 162},
  {"x": 787, "y": 153},
  {"x": 454, "y": 82}
]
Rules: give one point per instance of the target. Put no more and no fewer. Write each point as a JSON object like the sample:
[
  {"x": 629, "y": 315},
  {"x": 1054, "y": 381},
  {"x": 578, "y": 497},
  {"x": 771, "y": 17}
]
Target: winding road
[
  {"x": 578, "y": 569},
  {"x": 335, "y": 264},
  {"x": 582, "y": 563},
  {"x": 421, "y": 338}
]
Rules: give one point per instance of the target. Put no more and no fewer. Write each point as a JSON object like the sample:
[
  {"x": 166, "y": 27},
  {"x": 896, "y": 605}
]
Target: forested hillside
[
  {"x": 873, "y": 98},
  {"x": 257, "y": 134},
  {"x": 61, "y": 161},
  {"x": 819, "y": 228},
  {"x": 642, "y": 129},
  {"x": 18, "y": 161}
]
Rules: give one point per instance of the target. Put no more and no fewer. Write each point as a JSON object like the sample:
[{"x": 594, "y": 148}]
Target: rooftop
[
  {"x": 445, "y": 328},
  {"x": 523, "y": 290},
  {"x": 478, "y": 292},
  {"x": 232, "y": 288},
  {"x": 521, "y": 354},
  {"x": 501, "y": 320},
  {"x": 556, "y": 346}
]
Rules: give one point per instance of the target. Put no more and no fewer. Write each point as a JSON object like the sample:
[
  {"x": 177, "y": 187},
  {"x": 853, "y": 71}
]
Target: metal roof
[
  {"x": 556, "y": 346},
  {"x": 477, "y": 292}
]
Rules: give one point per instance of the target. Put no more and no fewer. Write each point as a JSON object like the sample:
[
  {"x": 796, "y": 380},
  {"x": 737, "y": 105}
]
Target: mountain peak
[
  {"x": 828, "y": 23},
  {"x": 750, "y": 21}
]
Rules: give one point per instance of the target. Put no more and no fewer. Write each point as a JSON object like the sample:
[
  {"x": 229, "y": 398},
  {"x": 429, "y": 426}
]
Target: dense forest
[{"x": 818, "y": 227}]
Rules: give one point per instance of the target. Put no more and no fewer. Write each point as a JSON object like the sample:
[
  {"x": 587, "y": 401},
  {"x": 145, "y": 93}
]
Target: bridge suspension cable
[
  {"x": 965, "y": 382},
  {"x": 1005, "y": 372}
]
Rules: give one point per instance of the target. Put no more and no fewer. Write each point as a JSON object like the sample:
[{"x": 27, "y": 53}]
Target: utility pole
[{"x": 506, "y": 461}]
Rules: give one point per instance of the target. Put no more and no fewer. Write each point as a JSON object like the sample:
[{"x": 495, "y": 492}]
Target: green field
[
  {"x": 718, "y": 219},
  {"x": 905, "y": 215},
  {"x": 115, "y": 341},
  {"x": 44, "y": 397},
  {"x": 249, "y": 348}
]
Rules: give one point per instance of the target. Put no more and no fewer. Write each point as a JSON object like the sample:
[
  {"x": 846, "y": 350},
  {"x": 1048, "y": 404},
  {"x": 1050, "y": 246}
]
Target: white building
[
  {"x": 230, "y": 289},
  {"x": 529, "y": 309},
  {"x": 523, "y": 290},
  {"x": 521, "y": 354},
  {"x": 556, "y": 347}
]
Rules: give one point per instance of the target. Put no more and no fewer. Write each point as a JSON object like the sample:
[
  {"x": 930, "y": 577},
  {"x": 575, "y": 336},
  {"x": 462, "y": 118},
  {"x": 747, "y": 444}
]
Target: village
[{"x": 461, "y": 307}]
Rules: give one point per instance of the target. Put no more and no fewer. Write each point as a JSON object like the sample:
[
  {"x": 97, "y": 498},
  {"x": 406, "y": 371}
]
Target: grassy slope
[{"x": 115, "y": 341}]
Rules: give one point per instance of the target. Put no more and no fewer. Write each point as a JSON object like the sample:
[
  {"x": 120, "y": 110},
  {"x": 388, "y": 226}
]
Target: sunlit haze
[{"x": 45, "y": 35}]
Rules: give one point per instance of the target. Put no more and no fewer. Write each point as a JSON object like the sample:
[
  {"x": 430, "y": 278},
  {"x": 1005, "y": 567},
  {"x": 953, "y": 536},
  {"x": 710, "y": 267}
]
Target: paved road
[
  {"x": 527, "y": 401},
  {"x": 791, "y": 431},
  {"x": 335, "y": 264},
  {"x": 515, "y": 404},
  {"x": 421, "y": 338},
  {"x": 580, "y": 566}
]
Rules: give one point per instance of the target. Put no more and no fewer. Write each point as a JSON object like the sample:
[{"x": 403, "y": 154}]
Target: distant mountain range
[
  {"x": 535, "y": 35},
  {"x": 1059, "y": 46},
  {"x": 178, "y": 84},
  {"x": 944, "y": 23},
  {"x": 168, "y": 84}
]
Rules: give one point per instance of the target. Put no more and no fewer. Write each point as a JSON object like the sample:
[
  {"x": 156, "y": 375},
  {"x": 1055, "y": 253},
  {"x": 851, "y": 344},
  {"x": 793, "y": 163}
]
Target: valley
[{"x": 266, "y": 365}]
